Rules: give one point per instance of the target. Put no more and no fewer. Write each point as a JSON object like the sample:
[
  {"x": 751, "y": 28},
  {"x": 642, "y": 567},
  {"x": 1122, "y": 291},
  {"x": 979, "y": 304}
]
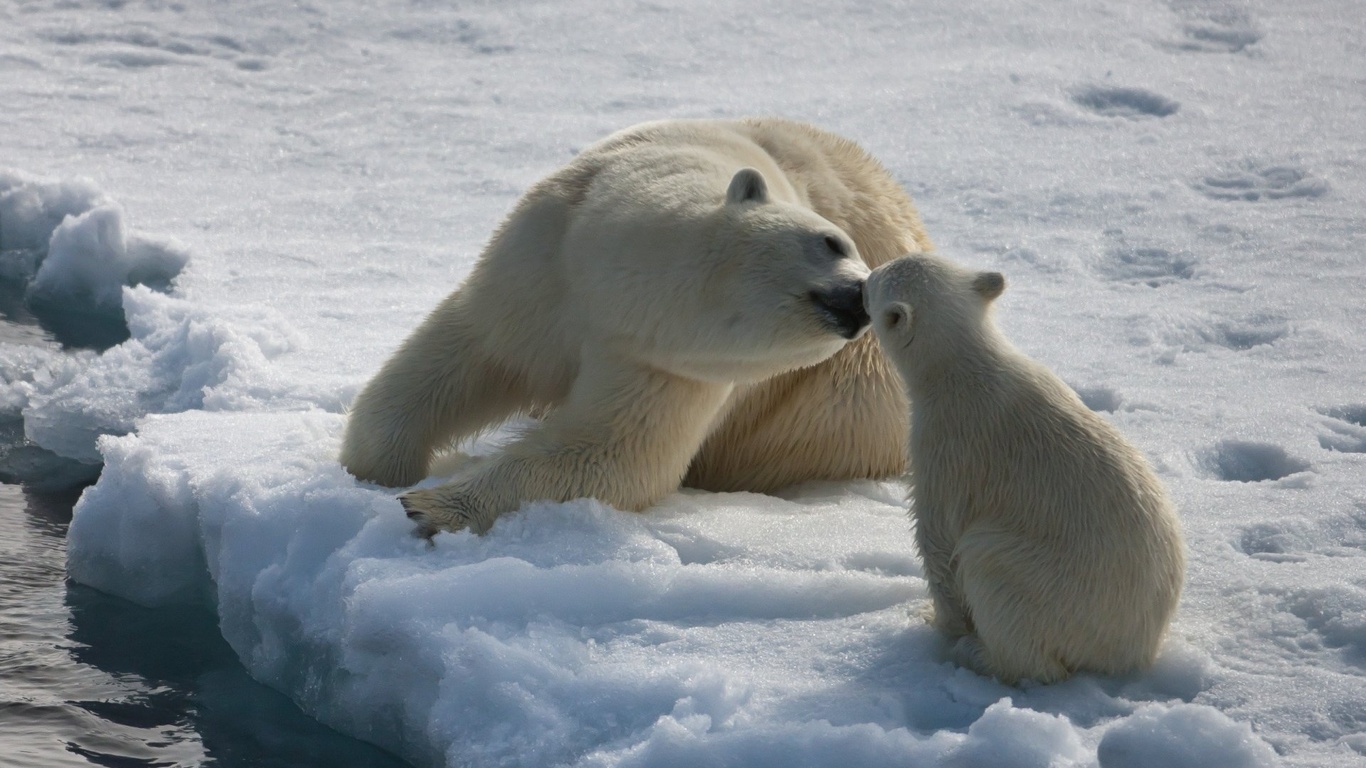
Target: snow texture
[{"x": 1175, "y": 192}]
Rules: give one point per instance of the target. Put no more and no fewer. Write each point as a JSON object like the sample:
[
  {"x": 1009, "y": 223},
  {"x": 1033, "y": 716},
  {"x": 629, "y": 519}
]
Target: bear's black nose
[{"x": 842, "y": 308}]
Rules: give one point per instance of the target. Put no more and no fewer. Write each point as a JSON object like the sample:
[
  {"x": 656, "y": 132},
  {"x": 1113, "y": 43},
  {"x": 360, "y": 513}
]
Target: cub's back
[{"x": 1022, "y": 450}]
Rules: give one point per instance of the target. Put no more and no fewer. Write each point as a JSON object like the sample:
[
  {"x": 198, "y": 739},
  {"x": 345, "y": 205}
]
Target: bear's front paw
[{"x": 438, "y": 509}]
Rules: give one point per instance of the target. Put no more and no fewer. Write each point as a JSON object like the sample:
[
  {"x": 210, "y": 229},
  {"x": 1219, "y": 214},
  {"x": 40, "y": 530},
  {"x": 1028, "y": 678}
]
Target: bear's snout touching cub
[
  {"x": 681, "y": 303},
  {"x": 843, "y": 305},
  {"x": 1049, "y": 544}
]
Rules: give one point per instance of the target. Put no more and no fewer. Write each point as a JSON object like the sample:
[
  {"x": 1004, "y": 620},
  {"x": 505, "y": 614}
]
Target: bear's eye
[{"x": 834, "y": 245}]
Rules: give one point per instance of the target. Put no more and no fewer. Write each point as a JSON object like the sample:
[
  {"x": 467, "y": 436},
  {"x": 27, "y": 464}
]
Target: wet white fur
[{"x": 1048, "y": 543}]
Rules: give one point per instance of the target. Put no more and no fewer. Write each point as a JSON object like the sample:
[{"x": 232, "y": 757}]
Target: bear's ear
[
  {"x": 748, "y": 186},
  {"x": 989, "y": 285}
]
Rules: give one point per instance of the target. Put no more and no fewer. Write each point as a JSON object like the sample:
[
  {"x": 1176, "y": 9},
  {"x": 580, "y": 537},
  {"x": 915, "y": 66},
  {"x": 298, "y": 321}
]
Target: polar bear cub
[{"x": 1048, "y": 543}]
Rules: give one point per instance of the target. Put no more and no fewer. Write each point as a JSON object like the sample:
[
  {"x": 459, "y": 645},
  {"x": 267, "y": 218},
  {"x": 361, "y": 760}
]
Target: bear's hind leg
[
  {"x": 1007, "y": 590},
  {"x": 843, "y": 419}
]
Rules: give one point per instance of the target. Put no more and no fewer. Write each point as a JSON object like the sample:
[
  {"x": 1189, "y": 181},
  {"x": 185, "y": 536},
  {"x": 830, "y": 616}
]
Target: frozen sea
[{"x": 217, "y": 219}]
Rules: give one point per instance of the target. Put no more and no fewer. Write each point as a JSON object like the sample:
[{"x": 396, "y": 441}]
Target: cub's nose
[{"x": 842, "y": 308}]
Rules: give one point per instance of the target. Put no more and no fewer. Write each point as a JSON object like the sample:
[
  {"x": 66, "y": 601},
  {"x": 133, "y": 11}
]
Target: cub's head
[
  {"x": 786, "y": 285},
  {"x": 924, "y": 307}
]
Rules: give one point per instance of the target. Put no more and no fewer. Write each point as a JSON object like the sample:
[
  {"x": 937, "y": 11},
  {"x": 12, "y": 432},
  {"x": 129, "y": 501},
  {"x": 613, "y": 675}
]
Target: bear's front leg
[
  {"x": 625, "y": 436},
  {"x": 448, "y": 507},
  {"x": 441, "y": 385}
]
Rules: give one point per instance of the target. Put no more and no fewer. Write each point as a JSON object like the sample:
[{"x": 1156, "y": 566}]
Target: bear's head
[
  {"x": 784, "y": 286},
  {"x": 927, "y": 310}
]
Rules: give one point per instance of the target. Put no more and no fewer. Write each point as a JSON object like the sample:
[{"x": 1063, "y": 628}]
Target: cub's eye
[{"x": 835, "y": 246}]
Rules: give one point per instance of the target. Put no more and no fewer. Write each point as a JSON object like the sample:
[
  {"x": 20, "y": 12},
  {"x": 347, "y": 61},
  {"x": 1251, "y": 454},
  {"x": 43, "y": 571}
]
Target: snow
[
  {"x": 1174, "y": 192},
  {"x": 1180, "y": 736}
]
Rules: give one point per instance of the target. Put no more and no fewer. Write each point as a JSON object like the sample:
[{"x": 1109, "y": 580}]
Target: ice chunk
[
  {"x": 1183, "y": 736},
  {"x": 136, "y": 535},
  {"x": 1015, "y": 737},
  {"x": 22, "y": 463},
  {"x": 64, "y": 248},
  {"x": 90, "y": 260},
  {"x": 30, "y": 208}
]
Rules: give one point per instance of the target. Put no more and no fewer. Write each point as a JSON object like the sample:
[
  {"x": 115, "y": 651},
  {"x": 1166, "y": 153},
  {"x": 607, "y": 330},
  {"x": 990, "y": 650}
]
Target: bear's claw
[
  {"x": 425, "y": 529},
  {"x": 434, "y": 511}
]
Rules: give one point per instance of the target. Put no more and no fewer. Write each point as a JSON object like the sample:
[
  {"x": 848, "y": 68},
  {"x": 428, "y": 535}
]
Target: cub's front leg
[
  {"x": 625, "y": 436},
  {"x": 936, "y": 546}
]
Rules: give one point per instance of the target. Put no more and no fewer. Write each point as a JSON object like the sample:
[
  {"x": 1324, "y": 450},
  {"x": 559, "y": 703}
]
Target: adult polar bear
[{"x": 677, "y": 302}]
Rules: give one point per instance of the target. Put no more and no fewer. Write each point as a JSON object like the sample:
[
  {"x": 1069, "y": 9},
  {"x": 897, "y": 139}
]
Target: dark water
[{"x": 90, "y": 679}]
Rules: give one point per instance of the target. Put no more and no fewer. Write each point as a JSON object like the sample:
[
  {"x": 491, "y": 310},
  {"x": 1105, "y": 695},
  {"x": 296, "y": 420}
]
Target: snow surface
[{"x": 1175, "y": 192}]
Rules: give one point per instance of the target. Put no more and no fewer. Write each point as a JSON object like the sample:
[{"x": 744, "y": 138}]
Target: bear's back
[{"x": 829, "y": 174}]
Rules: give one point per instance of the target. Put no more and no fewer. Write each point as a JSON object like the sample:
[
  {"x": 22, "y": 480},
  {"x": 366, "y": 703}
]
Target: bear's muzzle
[{"x": 842, "y": 308}]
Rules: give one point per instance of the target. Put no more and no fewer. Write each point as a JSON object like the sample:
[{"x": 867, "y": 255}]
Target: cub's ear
[
  {"x": 748, "y": 186},
  {"x": 897, "y": 317},
  {"x": 989, "y": 285}
]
